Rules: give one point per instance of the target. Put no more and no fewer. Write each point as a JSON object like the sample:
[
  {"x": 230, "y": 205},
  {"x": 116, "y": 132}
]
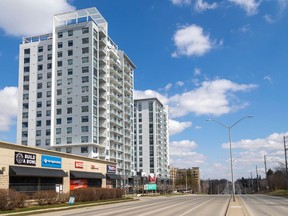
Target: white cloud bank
[
  {"x": 8, "y": 107},
  {"x": 30, "y": 17},
  {"x": 191, "y": 41},
  {"x": 250, "y": 6},
  {"x": 177, "y": 127}
]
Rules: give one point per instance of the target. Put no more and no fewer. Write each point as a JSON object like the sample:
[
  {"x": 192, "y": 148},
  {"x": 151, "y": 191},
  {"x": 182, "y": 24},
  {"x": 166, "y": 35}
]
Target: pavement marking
[
  {"x": 235, "y": 207},
  {"x": 196, "y": 207}
]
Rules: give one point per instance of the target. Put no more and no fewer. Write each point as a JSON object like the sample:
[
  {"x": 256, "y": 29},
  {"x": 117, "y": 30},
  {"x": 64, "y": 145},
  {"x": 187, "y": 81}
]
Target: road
[
  {"x": 261, "y": 205},
  {"x": 188, "y": 205}
]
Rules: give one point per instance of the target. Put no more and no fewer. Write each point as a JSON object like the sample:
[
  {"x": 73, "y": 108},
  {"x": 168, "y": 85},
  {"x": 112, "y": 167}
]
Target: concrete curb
[{"x": 236, "y": 208}]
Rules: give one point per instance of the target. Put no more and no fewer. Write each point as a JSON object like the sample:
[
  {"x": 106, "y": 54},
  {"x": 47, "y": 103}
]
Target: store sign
[
  {"x": 94, "y": 167},
  {"x": 152, "y": 178},
  {"x": 150, "y": 187},
  {"x": 50, "y": 161},
  {"x": 111, "y": 169},
  {"x": 79, "y": 183},
  {"x": 25, "y": 159},
  {"x": 79, "y": 164}
]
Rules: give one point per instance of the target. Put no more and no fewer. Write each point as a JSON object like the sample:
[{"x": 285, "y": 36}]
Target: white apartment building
[
  {"x": 151, "y": 138},
  {"x": 76, "y": 91}
]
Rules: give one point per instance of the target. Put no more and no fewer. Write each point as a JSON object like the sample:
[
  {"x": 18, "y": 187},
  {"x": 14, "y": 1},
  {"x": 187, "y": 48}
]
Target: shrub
[
  {"x": 45, "y": 197},
  {"x": 10, "y": 199},
  {"x": 62, "y": 197},
  {"x": 94, "y": 194}
]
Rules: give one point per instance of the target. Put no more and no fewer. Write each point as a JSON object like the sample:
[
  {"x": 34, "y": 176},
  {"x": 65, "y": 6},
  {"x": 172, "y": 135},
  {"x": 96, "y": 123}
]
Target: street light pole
[{"x": 230, "y": 147}]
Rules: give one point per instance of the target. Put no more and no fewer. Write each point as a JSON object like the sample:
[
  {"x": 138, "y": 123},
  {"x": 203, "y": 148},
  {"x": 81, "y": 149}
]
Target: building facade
[
  {"x": 151, "y": 138},
  {"x": 76, "y": 91},
  {"x": 30, "y": 169}
]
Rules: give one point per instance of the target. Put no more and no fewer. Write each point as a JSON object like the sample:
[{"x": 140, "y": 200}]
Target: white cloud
[
  {"x": 181, "y": 2},
  {"x": 177, "y": 127},
  {"x": 250, "y": 6},
  {"x": 138, "y": 94},
  {"x": 30, "y": 17},
  {"x": 197, "y": 72},
  {"x": 168, "y": 87},
  {"x": 182, "y": 154},
  {"x": 8, "y": 110},
  {"x": 268, "y": 78},
  {"x": 268, "y": 18},
  {"x": 191, "y": 41},
  {"x": 245, "y": 28},
  {"x": 201, "y": 5},
  {"x": 179, "y": 83},
  {"x": 212, "y": 97}
]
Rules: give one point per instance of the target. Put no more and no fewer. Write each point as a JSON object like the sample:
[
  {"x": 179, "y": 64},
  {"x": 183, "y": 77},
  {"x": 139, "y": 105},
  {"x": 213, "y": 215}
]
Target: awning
[
  {"x": 36, "y": 172},
  {"x": 86, "y": 175},
  {"x": 113, "y": 176}
]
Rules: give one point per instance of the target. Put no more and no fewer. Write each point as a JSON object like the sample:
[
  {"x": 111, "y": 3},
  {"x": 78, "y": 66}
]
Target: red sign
[
  {"x": 79, "y": 164},
  {"x": 76, "y": 184},
  {"x": 152, "y": 178}
]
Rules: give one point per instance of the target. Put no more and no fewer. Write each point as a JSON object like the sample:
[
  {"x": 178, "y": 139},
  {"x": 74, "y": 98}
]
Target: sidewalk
[{"x": 236, "y": 208}]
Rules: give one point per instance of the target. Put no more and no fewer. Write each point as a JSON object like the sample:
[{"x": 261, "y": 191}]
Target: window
[
  {"x": 85, "y": 40},
  {"x": 69, "y": 90},
  {"x": 25, "y": 115},
  {"x": 40, "y": 49},
  {"x": 70, "y": 43},
  {"x": 24, "y": 133},
  {"x": 69, "y": 100},
  {"x": 84, "y": 118},
  {"x": 59, "y": 63},
  {"x": 48, "y": 132},
  {"x": 84, "y": 109},
  {"x": 58, "y": 130},
  {"x": 49, "y": 48},
  {"x": 39, "y": 94},
  {"x": 24, "y": 124},
  {"x": 59, "y": 82},
  {"x": 26, "y": 78},
  {"x": 26, "y": 51},
  {"x": 38, "y": 132},
  {"x": 27, "y": 60},
  {"x": 70, "y": 71},
  {"x": 48, "y": 103},
  {"x": 39, "y": 104},
  {"x": 85, "y": 79},
  {"x": 25, "y": 87},
  {"x": 85, "y": 50},
  {"x": 84, "y": 129},
  {"x": 47, "y": 142},
  {"x": 59, "y": 54},
  {"x": 48, "y": 84},
  {"x": 84, "y": 149},
  {"x": 58, "y": 149},
  {"x": 60, "y": 45},
  {"x": 49, "y": 57},
  {"x": 70, "y": 52},
  {"x": 69, "y": 110},
  {"x": 27, "y": 69},
  {"x": 59, "y": 101},
  {"x": 25, "y": 96},
  {"x": 58, "y": 111},
  {"x": 69, "y": 130},
  {"x": 85, "y": 69},
  {"x": 40, "y": 58},
  {"x": 70, "y": 61},
  {"x": 85, "y": 30},
  {"x": 70, "y": 33},
  {"x": 70, "y": 81},
  {"x": 85, "y": 89},
  {"x": 69, "y": 120},
  {"x": 48, "y": 112},
  {"x": 39, "y": 76},
  {"x": 59, "y": 91},
  {"x": 68, "y": 150},
  {"x": 39, "y": 114},
  {"x": 48, "y": 94},
  {"x": 38, "y": 123},
  {"x": 58, "y": 121},
  {"x": 84, "y": 139},
  {"x": 58, "y": 140},
  {"x": 38, "y": 142},
  {"x": 40, "y": 67},
  {"x": 85, "y": 99},
  {"x": 60, "y": 34},
  {"x": 59, "y": 72},
  {"x": 49, "y": 66},
  {"x": 69, "y": 140},
  {"x": 39, "y": 86},
  {"x": 85, "y": 59}
]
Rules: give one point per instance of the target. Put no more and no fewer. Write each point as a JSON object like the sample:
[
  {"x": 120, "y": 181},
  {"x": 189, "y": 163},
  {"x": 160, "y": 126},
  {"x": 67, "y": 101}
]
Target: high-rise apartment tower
[
  {"x": 76, "y": 90},
  {"x": 151, "y": 138}
]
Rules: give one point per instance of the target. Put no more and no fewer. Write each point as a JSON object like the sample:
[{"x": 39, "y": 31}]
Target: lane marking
[{"x": 196, "y": 207}]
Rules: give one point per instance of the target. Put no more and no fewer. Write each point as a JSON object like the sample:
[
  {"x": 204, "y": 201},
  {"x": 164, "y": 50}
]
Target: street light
[{"x": 230, "y": 146}]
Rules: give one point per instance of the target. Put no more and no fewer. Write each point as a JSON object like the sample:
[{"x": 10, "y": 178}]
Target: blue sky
[{"x": 203, "y": 58}]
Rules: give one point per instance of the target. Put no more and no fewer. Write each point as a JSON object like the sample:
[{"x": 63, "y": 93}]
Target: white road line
[{"x": 196, "y": 207}]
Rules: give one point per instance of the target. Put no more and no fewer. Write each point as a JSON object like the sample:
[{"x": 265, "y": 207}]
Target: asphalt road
[
  {"x": 261, "y": 205},
  {"x": 188, "y": 205}
]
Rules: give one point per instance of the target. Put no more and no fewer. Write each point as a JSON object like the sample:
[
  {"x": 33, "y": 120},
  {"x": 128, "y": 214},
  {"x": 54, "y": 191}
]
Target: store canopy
[
  {"x": 36, "y": 172},
  {"x": 86, "y": 175},
  {"x": 113, "y": 176}
]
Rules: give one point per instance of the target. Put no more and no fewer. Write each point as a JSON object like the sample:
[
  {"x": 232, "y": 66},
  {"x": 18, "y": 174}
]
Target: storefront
[
  {"x": 29, "y": 169},
  {"x": 112, "y": 177}
]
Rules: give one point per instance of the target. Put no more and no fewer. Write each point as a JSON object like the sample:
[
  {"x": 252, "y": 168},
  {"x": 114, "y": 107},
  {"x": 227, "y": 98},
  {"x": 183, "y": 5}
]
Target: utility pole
[
  {"x": 265, "y": 164},
  {"x": 257, "y": 186},
  {"x": 285, "y": 150}
]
